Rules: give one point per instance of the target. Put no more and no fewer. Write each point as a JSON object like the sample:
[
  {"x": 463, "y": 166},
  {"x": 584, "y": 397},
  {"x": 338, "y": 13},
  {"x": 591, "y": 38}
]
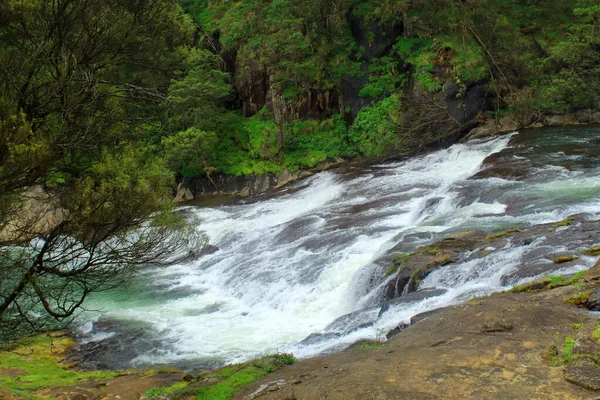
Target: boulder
[
  {"x": 508, "y": 124},
  {"x": 593, "y": 302}
]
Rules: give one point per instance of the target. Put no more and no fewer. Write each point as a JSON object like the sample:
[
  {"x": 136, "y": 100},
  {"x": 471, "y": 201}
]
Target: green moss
[
  {"x": 398, "y": 263},
  {"x": 415, "y": 278},
  {"x": 592, "y": 251},
  {"x": 564, "y": 222},
  {"x": 558, "y": 281},
  {"x": 503, "y": 233},
  {"x": 577, "y": 325},
  {"x": 579, "y": 299},
  {"x": 596, "y": 333},
  {"x": 40, "y": 358},
  {"x": 564, "y": 259},
  {"x": 371, "y": 345},
  {"x": 233, "y": 378}
]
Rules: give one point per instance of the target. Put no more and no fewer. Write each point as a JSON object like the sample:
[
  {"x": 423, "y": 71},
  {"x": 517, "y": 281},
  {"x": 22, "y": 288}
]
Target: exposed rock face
[
  {"x": 36, "y": 214},
  {"x": 574, "y": 234},
  {"x": 463, "y": 104},
  {"x": 496, "y": 348},
  {"x": 248, "y": 185}
]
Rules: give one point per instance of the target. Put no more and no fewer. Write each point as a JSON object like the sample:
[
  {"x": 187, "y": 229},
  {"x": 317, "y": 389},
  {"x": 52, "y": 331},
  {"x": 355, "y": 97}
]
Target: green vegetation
[
  {"x": 549, "y": 282},
  {"x": 37, "y": 362},
  {"x": 564, "y": 259},
  {"x": 559, "y": 280},
  {"x": 562, "y": 356},
  {"x": 85, "y": 190},
  {"x": 565, "y": 222},
  {"x": 579, "y": 299},
  {"x": 596, "y": 333},
  {"x": 398, "y": 263},
  {"x": 223, "y": 383},
  {"x": 371, "y": 345},
  {"x": 592, "y": 251},
  {"x": 503, "y": 233}
]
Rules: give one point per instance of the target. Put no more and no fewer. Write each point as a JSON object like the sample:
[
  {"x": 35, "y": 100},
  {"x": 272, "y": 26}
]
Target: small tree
[{"x": 85, "y": 197}]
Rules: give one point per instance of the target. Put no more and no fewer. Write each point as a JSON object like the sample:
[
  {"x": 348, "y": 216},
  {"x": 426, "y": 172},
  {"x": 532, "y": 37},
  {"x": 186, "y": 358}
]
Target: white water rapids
[{"x": 287, "y": 267}]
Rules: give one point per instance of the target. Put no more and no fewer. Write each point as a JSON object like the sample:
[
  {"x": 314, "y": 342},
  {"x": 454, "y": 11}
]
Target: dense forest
[{"x": 105, "y": 105}]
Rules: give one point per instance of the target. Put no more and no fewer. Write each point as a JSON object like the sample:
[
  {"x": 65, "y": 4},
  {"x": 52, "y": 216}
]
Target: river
[{"x": 291, "y": 265}]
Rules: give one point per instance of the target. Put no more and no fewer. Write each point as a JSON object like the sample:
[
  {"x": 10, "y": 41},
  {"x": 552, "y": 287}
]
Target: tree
[{"x": 85, "y": 197}]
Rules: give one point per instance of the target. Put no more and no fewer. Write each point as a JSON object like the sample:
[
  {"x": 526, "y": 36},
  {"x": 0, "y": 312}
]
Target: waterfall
[{"x": 291, "y": 266}]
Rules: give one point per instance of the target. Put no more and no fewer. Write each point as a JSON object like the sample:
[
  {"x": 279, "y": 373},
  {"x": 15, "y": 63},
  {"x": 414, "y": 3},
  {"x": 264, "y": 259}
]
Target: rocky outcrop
[
  {"x": 245, "y": 185},
  {"x": 491, "y": 127},
  {"x": 500, "y": 347},
  {"x": 34, "y": 214},
  {"x": 576, "y": 235}
]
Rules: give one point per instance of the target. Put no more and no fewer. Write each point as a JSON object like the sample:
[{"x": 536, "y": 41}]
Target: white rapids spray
[{"x": 287, "y": 267}]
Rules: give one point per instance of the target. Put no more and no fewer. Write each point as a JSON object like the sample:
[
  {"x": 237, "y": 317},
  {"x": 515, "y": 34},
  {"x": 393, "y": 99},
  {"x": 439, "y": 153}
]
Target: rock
[
  {"x": 592, "y": 274},
  {"x": 536, "y": 284},
  {"x": 482, "y": 131},
  {"x": 593, "y": 302},
  {"x": 536, "y": 125},
  {"x": 375, "y": 39},
  {"x": 584, "y": 374},
  {"x": 396, "y": 331},
  {"x": 508, "y": 124},
  {"x": 187, "y": 378},
  {"x": 424, "y": 315},
  {"x": 413, "y": 296},
  {"x": 183, "y": 194}
]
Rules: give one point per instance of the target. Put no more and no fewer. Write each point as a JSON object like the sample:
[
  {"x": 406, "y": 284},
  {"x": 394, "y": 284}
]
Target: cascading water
[{"x": 288, "y": 267}]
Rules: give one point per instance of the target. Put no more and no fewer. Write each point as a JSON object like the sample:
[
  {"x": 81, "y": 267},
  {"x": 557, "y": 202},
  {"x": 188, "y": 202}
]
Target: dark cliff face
[
  {"x": 253, "y": 82},
  {"x": 373, "y": 40}
]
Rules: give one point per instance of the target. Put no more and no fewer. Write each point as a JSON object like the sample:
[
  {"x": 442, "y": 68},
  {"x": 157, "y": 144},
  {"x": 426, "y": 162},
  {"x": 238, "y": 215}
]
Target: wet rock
[
  {"x": 593, "y": 302},
  {"x": 315, "y": 338},
  {"x": 424, "y": 315},
  {"x": 354, "y": 321},
  {"x": 592, "y": 274},
  {"x": 413, "y": 296},
  {"x": 188, "y": 378},
  {"x": 396, "y": 331},
  {"x": 536, "y": 284},
  {"x": 489, "y": 128}
]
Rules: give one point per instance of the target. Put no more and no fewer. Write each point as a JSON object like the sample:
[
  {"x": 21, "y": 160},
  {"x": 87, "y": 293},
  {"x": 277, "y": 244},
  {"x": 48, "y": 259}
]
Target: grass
[
  {"x": 228, "y": 380},
  {"x": 39, "y": 362},
  {"x": 503, "y": 233},
  {"x": 564, "y": 356}
]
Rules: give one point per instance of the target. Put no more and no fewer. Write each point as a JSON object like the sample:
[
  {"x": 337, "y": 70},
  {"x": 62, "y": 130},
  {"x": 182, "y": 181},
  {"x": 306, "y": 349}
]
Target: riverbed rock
[{"x": 494, "y": 348}]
